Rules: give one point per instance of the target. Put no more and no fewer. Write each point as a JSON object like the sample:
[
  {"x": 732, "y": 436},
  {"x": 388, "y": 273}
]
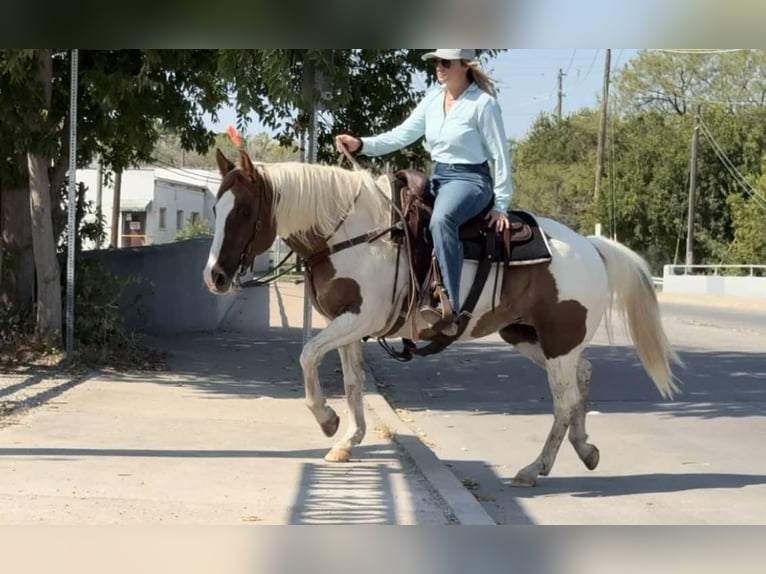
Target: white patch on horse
[{"x": 222, "y": 210}]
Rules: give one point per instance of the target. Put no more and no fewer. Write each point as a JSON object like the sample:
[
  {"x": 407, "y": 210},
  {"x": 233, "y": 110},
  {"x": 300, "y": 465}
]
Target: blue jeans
[{"x": 461, "y": 192}]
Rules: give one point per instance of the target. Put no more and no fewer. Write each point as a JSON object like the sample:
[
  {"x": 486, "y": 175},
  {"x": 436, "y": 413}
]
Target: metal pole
[
  {"x": 71, "y": 222},
  {"x": 309, "y": 92}
]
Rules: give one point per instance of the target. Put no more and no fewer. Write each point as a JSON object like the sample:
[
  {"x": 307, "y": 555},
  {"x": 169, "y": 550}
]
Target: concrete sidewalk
[{"x": 223, "y": 438}]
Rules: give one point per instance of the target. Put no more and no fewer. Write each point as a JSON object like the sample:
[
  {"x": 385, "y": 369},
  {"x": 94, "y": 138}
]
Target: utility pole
[
  {"x": 692, "y": 189},
  {"x": 602, "y": 137},
  {"x": 560, "y": 94},
  {"x": 116, "y": 209}
]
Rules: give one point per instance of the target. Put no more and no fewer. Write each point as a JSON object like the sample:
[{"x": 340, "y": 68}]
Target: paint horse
[{"x": 549, "y": 311}]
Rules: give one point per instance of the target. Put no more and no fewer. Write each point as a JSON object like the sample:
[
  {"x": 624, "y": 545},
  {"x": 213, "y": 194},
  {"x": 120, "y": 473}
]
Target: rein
[{"x": 260, "y": 281}]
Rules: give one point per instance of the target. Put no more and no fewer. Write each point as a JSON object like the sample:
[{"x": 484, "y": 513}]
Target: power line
[
  {"x": 732, "y": 169},
  {"x": 617, "y": 61},
  {"x": 591, "y": 64},
  {"x": 186, "y": 173},
  {"x": 569, "y": 67}
]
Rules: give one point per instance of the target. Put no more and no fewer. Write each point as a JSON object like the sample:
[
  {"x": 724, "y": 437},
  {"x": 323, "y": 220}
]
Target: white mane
[{"x": 311, "y": 197}]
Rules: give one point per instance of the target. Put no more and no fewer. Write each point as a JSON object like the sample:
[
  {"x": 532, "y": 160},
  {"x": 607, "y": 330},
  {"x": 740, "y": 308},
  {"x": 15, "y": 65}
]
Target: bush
[{"x": 195, "y": 228}]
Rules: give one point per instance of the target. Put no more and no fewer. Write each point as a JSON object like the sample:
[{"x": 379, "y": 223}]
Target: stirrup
[
  {"x": 438, "y": 322},
  {"x": 431, "y": 315}
]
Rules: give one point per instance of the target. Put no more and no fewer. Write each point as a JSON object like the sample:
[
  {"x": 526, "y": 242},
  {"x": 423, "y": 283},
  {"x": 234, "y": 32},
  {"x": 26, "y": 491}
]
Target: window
[
  {"x": 194, "y": 217},
  {"x": 163, "y": 217},
  {"x": 180, "y": 219}
]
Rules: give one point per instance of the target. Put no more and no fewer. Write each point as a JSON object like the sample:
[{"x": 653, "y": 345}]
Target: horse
[{"x": 549, "y": 311}]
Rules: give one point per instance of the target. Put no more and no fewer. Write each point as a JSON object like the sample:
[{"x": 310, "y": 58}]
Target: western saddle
[{"x": 412, "y": 208}]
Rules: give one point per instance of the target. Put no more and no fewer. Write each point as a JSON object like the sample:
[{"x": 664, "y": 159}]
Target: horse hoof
[
  {"x": 330, "y": 426},
  {"x": 523, "y": 481},
  {"x": 338, "y": 454},
  {"x": 591, "y": 461}
]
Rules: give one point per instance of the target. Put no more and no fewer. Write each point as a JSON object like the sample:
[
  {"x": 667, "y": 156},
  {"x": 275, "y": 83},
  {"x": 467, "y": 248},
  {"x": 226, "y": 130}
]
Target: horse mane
[{"x": 312, "y": 198}]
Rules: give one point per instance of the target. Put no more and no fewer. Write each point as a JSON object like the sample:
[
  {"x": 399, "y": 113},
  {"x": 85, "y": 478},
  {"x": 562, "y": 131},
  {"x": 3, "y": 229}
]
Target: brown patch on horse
[
  {"x": 530, "y": 312},
  {"x": 519, "y": 333},
  {"x": 331, "y": 296}
]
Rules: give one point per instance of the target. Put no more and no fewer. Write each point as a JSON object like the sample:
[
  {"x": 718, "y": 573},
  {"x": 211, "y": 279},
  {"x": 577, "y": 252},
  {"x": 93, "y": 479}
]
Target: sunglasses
[{"x": 443, "y": 63}]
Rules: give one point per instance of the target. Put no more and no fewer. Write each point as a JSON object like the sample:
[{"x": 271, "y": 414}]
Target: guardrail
[
  {"x": 755, "y": 270},
  {"x": 721, "y": 280}
]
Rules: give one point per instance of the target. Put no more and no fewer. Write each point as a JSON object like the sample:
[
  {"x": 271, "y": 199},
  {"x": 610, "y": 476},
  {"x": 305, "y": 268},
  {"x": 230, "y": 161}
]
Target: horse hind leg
[
  {"x": 587, "y": 452},
  {"x": 562, "y": 379},
  {"x": 353, "y": 382}
]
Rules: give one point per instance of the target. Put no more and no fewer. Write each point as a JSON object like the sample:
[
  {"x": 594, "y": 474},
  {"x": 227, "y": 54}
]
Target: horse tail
[{"x": 630, "y": 282}]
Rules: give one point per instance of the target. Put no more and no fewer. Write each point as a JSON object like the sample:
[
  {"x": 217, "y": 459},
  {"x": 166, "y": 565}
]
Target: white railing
[
  {"x": 722, "y": 280},
  {"x": 755, "y": 270}
]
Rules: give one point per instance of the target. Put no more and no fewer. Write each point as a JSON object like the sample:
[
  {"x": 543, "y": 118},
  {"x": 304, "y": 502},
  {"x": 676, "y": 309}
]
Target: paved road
[{"x": 486, "y": 411}]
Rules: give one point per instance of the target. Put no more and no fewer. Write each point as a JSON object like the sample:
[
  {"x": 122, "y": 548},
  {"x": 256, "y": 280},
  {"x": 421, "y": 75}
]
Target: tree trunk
[
  {"x": 48, "y": 319},
  {"x": 57, "y": 179},
  {"x": 17, "y": 281}
]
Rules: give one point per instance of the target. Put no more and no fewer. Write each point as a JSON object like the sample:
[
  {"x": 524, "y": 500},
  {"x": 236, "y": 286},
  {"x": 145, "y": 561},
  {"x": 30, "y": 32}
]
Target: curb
[{"x": 466, "y": 509}]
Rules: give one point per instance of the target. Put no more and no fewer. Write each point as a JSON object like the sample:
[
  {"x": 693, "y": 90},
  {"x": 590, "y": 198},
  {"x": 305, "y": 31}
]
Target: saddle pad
[{"x": 533, "y": 250}]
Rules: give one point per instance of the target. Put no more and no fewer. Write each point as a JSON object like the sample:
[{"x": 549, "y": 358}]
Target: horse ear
[
  {"x": 247, "y": 165},
  {"x": 224, "y": 165}
]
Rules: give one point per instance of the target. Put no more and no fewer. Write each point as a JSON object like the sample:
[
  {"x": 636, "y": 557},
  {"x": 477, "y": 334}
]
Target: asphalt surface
[{"x": 485, "y": 411}]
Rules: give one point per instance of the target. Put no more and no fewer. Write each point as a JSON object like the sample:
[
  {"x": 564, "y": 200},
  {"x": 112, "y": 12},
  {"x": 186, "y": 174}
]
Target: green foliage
[
  {"x": 100, "y": 333},
  {"x": 644, "y": 193},
  {"x": 749, "y": 222},
  {"x": 195, "y": 228},
  {"x": 673, "y": 83},
  {"x": 554, "y": 169}
]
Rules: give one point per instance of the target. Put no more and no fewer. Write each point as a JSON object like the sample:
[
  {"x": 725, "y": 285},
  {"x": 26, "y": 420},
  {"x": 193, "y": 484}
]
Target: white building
[{"x": 155, "y": 203}]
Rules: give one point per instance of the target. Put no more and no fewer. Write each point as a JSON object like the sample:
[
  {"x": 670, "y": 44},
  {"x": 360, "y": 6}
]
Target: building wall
[
  {"x": 174, "y": 198},
  {"x": 189, "y": 191}
]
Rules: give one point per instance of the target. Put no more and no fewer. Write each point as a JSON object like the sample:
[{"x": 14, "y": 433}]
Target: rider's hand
[
  {"x": 498, "y": 219},
  {"x": 352, "y": 143}
]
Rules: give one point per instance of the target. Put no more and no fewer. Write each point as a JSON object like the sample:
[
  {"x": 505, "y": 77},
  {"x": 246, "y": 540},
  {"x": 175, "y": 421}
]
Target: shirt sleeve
[
  {"x": 404, "y": 134},
  {"x": 496, "y": 142}
]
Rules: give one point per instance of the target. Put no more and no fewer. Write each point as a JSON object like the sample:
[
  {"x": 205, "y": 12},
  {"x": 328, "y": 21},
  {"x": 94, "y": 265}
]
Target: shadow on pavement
[{"x": 491, "y": 377}]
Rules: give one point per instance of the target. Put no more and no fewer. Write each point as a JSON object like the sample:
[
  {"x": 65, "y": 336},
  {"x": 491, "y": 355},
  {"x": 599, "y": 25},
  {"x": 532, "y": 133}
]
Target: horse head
[{"x": 244, "y": 222}]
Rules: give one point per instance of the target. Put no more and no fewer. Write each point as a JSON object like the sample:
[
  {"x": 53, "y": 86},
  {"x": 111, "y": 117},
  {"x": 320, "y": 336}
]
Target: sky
[{"x": 527, "y": 80}]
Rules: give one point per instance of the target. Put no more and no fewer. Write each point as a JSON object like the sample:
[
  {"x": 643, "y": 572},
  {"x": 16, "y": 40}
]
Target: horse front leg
[
  {"x": 343, "y": 333},
  {"x": 353, "y": 382}
]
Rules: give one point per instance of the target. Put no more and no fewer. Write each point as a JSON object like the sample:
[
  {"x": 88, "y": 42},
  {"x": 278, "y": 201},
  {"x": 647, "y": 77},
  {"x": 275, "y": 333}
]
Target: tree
[
  {"x": 260, "y": 147},
  {"x": 553, "y": 169},
  {"x": 749, "y": 216},
  {"x": 371, "y": 91},
  {"x": 672, "y": 82},
  {"x": 126, "y": 97},
  {"x": 48, "y": 319}
]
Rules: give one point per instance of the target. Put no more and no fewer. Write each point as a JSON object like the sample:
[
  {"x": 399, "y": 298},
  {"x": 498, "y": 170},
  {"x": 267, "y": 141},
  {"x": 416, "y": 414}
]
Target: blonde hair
[{"x": 481, "y": 78}]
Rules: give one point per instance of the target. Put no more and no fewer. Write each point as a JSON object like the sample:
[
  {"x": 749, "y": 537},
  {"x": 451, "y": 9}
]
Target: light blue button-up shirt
[{"x": 471, "y": 132}]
